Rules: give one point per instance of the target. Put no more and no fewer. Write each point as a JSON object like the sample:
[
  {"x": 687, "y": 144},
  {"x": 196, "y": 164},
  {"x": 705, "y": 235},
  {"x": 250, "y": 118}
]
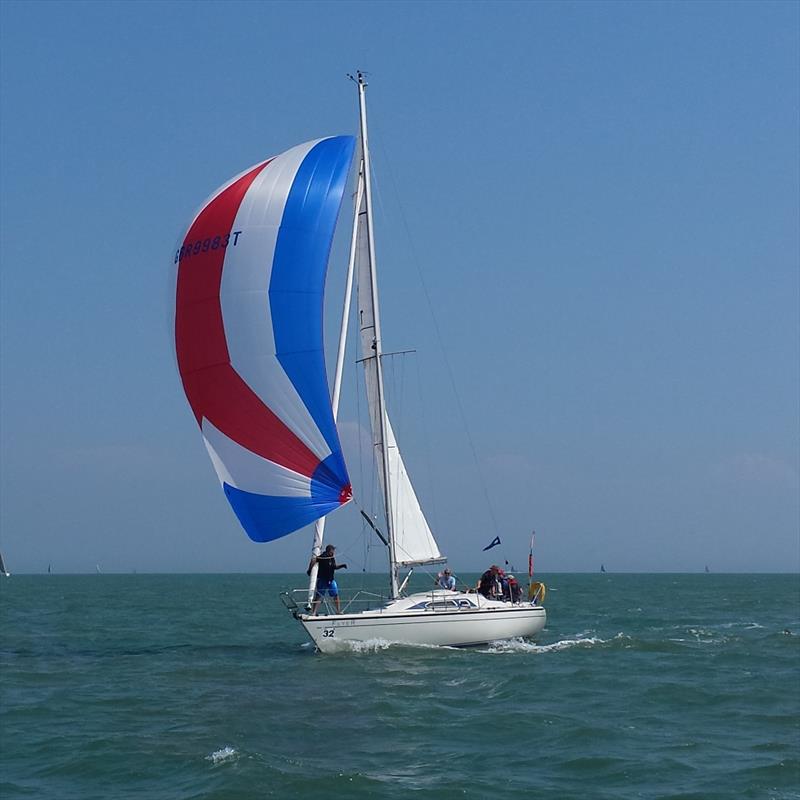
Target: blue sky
[{"x": 587, "y": 214}]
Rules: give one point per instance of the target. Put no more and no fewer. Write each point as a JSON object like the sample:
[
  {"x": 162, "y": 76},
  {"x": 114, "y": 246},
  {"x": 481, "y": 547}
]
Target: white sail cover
[{"x": 413, "y": 540}]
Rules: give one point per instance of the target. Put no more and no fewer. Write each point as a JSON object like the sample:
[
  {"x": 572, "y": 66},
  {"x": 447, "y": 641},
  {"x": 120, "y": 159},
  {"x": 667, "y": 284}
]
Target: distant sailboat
[
  {"x": 3, "y": 569},
  {"x": 707, "y": 569},
  {"x": 49, "y": 569},
  {"x": 602, "y": 568},
  {"x": 97, "y": 569}
]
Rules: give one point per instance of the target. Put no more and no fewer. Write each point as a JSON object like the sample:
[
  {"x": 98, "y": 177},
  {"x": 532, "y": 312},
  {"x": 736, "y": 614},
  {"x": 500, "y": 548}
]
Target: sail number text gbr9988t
[{"x": 209, "y": 243}]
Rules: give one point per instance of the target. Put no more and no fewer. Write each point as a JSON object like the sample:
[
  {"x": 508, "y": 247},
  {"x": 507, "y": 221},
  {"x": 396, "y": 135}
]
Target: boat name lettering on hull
[
  {"x": 221, "y": 241},
  {"x": 341, "y": 623}
]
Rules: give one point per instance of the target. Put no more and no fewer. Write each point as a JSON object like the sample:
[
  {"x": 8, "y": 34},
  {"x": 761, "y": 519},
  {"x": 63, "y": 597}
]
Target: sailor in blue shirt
[{"x": 445, "y": 580}]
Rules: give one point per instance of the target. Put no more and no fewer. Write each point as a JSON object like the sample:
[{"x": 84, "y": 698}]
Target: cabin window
[{"x": 443, "y": 605}]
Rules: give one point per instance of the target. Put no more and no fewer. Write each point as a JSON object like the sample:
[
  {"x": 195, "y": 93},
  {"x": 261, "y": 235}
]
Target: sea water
[{"x": 203, "y": 686}]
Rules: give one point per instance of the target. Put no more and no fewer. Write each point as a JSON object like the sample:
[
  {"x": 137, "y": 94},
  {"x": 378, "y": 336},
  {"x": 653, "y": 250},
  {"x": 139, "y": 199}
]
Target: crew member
[{"x": 326, "y": 582}]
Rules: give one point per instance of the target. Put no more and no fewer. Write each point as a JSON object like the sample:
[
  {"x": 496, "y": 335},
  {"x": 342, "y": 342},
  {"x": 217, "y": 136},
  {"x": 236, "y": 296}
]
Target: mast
[
  {"x": 319, "y": 525},
  {"x": 362, "y": 107}
]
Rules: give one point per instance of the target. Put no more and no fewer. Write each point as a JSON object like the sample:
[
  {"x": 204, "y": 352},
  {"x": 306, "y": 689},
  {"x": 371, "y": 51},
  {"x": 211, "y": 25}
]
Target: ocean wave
[
  {"x": 456, "y": 682},
  {"x": 523, "y": 646},
  {"x": 742, "y": 624},
  {"x": 222, "y": 755},
  {"x": 502, "y": 646},
  {"x": 379, "y": 645}
]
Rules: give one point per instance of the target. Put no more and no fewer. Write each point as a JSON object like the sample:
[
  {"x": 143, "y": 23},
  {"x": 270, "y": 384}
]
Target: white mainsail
[{"x": 412, "y": 537}]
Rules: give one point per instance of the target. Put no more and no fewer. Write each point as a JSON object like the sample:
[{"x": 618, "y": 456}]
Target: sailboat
[
  {"x": 3, "y": 570},
  {"x": 250, "y": 276}
]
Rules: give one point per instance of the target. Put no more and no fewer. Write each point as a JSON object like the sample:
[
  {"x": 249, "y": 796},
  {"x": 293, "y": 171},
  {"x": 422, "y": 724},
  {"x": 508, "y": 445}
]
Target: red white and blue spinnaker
[{"x": 249, "y": 336}]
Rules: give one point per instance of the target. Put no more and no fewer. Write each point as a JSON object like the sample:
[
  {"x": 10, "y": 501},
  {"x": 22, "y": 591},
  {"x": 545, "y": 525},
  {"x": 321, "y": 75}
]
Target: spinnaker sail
[{"x": 249, "y": 337}]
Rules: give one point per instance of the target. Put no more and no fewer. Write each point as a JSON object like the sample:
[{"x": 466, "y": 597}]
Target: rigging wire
[
  {"x": 376, "y": 185},
  {"x": 426, "y": 445},
  {"x": 424, "y": 567},
  {"x": 449, "y": 369},
  {"x": 362, "y": 483}
]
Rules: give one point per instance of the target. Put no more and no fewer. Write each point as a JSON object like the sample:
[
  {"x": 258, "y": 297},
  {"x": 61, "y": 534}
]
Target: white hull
[{"x": 406, "y": 622}]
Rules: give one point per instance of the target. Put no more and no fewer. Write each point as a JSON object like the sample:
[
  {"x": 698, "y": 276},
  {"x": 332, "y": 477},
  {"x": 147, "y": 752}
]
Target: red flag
[{"x": 530, "y": 557}]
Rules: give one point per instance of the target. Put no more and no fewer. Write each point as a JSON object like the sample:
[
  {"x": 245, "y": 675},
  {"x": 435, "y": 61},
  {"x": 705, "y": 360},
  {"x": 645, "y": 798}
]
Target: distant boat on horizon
[
  {"x": 602, "y": 568},
  {"x": 97, "y": 568},
  {"x": 3, "y": 567},
  {"x": 49, "y": 569},
  {"x": 707, "y": 569}
]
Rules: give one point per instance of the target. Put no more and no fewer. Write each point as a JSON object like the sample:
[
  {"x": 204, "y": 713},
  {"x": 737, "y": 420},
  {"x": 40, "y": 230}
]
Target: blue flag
[{"x": 493, "y": 543}]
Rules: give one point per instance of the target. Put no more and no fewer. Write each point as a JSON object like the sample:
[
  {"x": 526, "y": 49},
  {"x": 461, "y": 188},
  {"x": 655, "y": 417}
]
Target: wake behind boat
[{"x": 249, "y": 340}]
